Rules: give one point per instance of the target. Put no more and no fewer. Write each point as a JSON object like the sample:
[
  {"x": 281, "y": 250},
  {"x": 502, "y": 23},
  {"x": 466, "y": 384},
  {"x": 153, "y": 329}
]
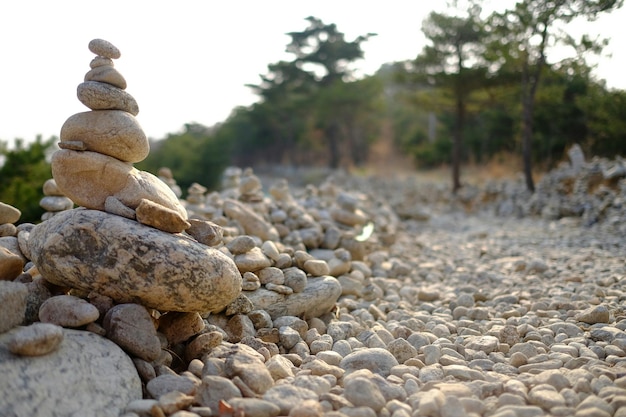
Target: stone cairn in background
[
  {"x": 590, "y": 191},
  {"x": 53, "y": 201}
]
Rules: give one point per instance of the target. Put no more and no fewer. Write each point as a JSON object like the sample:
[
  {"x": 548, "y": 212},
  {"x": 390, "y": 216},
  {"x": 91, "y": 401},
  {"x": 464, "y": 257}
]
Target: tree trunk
[
  {"x": 332, "y": 137},
  {"x": 527, "y": 135},
  {"x": 530, "y": 82},
  {"x": 456, "y": 144}
]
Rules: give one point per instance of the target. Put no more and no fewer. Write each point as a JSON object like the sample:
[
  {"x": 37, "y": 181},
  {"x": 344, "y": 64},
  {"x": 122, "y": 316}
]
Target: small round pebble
[{"x": 36, "y": 340}]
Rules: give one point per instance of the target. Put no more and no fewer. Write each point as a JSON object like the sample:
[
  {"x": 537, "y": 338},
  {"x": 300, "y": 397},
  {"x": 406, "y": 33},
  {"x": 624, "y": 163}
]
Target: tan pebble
[
  {"x": 107, "y": 74},
  {"x": 178, "y": 327},
  {"x": 307, "y": 408},
  {"x": 50, "y": 188},
  {"x": 68, "y": 311},
  {"x": 160, "y": 217},
  {"x": 11, "y": 264},
  {"x": 102, "y": 96},
  {"x": 202, "y": 345},
  {"x": 100, "y": 61},
  {"x": 205, "y": 232},
  {"x": 36, "y": 340},
  {"x": 518, "y": 359},
  {"x": 9, "y": 214},
  {"x": 104, "y": 48},
  {"x": 8, "y": 229},
  {"x": 316, "y": 267},
  {"x": 174, "y": 401}
]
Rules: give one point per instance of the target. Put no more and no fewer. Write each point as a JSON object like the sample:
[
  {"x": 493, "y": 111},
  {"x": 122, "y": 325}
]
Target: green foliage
[
  {"x": 314, "y": 102},
  {"x": 606, "y": 120},
  {"x": 520, "y": 39},
  {"x": 453, "y": 66},
  {"x": 22, "y": 177},
  {"x": 198, "y": 154}
]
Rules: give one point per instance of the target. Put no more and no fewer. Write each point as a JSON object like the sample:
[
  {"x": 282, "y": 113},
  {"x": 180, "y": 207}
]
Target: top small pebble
[{"x": 104, "y": 48}]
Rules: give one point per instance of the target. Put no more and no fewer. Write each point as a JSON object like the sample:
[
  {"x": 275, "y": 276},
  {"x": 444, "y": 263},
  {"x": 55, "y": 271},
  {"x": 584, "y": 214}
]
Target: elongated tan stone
[
  {"x": 131, "y": 263},
  {"x": 114, "y": 133},
  {"x": 89, "y": 178},
  {"x": 319, "y": 297},
  {"x": 104, "y": 48},
  {"x": 252, "y": 223},
  {"x": 107, "y": 74},
  {"x": 103, "y": 96}
]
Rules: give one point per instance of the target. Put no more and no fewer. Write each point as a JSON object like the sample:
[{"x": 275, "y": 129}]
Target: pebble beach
[{"x": 351, "y": 297}]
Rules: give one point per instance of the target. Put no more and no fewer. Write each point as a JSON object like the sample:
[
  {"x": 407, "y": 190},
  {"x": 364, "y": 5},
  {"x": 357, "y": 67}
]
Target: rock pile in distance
[{"x": 53, "y": 201}]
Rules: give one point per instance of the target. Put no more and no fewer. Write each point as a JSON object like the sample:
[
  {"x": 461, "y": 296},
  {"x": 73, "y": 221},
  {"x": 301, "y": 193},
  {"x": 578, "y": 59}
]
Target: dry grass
[{"x": 501, "y": 167}]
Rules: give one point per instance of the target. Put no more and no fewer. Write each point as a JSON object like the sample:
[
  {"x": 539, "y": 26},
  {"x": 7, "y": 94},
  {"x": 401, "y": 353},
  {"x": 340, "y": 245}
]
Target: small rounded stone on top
[{"x": 104, "y": 48}]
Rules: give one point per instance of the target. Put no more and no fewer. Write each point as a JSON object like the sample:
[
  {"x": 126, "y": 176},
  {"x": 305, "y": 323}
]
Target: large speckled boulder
[
  {"x": 132, "y": 263},
  {"x": 87, "y": 375}
]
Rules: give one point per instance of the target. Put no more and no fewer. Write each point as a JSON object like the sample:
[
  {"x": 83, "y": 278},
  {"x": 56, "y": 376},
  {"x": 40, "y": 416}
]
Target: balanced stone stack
[
  {"x": 165, "y": 175},
  {"x": 126, "y": 241},
  {"x": 98, "y": 147},
  {"x": 53, "y": 201},
  {"x": 11, "y": 259}
]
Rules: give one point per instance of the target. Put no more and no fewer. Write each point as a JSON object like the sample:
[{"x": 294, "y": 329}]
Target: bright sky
[{"x": 189, "y": 60}]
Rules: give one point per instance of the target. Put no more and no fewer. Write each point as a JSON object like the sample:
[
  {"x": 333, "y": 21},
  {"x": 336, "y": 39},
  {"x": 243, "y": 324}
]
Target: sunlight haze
[{"x": 189, "y": 61}]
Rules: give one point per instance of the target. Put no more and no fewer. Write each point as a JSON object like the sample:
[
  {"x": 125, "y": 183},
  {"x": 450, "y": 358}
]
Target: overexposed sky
[{"x": 189, "y": 60}]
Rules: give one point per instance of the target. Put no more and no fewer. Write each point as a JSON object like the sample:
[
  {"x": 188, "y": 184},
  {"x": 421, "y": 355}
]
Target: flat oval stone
[
  {"x": 106, "y": 74},
  {"x": 89, "y": 178},
  {"x": 68, "y": 311},
  {"x": 9, "y": 214},
  {"x": 318, "y": 297},
  {"x": 132, "y": 263},
  {"x": 50, "y": 188},
  {"x": 114, "y": 133},
  {"x": 102, "y": 96},
  {"x": 36, "y": 340},
  {"x": 104, "y": 48},
  {"x": 131, "y": 328},
  {"x": 56, "y": 203}
]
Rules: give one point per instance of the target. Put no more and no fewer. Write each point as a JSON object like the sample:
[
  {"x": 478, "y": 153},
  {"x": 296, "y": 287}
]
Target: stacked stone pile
[
  {"x": 592, "y": 191},
  {"x": 11, "y": 259},
  {"x": 98, "y": 147},
  {"x": 53, "y": 201},
  {"x": 585, "y": 191}
]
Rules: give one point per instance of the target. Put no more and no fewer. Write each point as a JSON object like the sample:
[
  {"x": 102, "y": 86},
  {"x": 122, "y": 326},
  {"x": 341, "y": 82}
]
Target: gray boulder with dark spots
[
  {"x": 87, "y": 375},
  {"x": 132, "y": 263}
]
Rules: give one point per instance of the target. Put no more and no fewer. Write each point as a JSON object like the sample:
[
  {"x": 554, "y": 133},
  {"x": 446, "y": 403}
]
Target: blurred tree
[
  {"x": 23, "y": 174},
  {"x": 524, "y": 34},
  {"x": 282, "y": 115},
  {"x": 197, "y": 154},
  {"x": 452, "y": 66},
  {"x": 355, "y": 109},
  {"x": 313, "y": 84},
  {"x": 606, "y": 120}
]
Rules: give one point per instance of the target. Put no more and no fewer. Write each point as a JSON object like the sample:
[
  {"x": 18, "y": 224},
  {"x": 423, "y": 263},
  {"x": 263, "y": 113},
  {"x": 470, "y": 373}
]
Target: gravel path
[
  {"x": 509, "y": 317},
  {"x": 456, "y": 314}
]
